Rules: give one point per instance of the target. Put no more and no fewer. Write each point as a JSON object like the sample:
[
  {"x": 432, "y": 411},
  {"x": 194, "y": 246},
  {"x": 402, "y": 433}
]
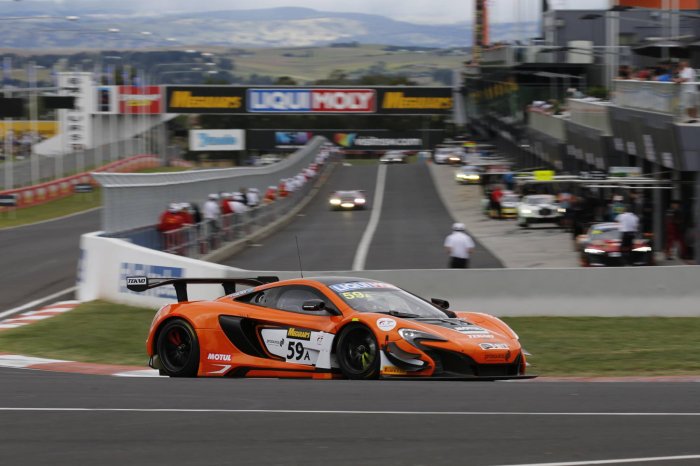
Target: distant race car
[
  {"x": 451, "y": 155},
  {"x": 601, "y": 247},
  {"x": 394, "y": 156},
  {"x": 348, "y": 200},
  {"x": 468, "y": 174},
  {"x": 539, "y": 208},
  {"x": 329, "y": 327},
  {"x": 509, "y": 206}
]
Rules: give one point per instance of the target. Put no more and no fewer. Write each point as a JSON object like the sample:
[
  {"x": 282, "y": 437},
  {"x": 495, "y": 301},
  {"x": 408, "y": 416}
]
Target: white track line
[
  {"x": 298, "y": 411},
  {"x": 37, "y": 302},
  {"x": 363, "y": 249},
  {"x": 51, "y": 219},
  {"x": 619, "y": 461}
]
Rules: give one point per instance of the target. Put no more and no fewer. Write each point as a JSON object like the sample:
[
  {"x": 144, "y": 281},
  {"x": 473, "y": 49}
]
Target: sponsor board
[
  {"x": 387, "y": 100},
  {"x": 386, "y": 324},
  {"x": 217, "y": 140},
  {"x": 76, "y": 123},
  {"x": 311, "y": 100},
  {"x": 393, "y": 370},
  {"x": 361, "y": 140},
  {"x": 106, "y": 100},
  {"x": 139, "y": 100}
]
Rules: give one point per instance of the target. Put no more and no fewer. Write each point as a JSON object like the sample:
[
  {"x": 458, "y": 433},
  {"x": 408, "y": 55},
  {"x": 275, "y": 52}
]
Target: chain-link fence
[{"x": 59, "y": 166}]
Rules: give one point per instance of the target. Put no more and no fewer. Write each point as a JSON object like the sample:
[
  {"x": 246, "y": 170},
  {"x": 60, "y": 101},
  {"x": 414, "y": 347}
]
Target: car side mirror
[
  {"x": 317, "y": 305},
  {"x": 441, "y": 303}
]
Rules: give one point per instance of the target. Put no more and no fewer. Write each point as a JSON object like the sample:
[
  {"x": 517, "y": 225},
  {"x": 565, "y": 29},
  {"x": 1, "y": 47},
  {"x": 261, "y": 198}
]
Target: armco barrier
[
  {"x": 56, "y": 189},
  {"x": 647, "y": 291},
  {"x": 136, "y": 200}
]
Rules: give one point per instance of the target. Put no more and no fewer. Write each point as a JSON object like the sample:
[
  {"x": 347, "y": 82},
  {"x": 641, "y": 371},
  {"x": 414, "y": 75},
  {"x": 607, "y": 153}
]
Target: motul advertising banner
[
  {"x": 397, "y": 100},
  {"x": 140, "y": 100}
]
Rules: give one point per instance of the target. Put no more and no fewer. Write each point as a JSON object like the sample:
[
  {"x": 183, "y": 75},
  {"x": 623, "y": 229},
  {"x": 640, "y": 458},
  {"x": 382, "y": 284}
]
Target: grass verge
[
  {"x": 97, "y": 331},
  {"x": 610, "y": 345},
  {"x": 109, "y": 333},
  {"x": 65, "y": 206}
]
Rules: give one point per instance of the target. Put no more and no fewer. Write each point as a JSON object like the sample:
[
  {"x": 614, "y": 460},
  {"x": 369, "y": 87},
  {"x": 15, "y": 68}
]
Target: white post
[
  {"x": 9, "y": 169},
  {"x": 33, "y": 127}
]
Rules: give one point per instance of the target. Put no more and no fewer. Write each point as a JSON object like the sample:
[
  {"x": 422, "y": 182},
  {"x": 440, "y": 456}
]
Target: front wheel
[
  {"x": 178, "y": 349},
  {"x": 358, "y": 353}
]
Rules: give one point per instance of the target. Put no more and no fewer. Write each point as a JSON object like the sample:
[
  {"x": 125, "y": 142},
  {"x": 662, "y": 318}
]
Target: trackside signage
[
  {"x": 387, "y": 100},
  {"x": 217, "y": 140},
  {"x": 312, "y": 100}
]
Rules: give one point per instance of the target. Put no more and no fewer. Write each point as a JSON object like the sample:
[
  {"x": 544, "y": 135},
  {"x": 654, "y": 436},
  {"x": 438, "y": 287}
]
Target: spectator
[
  {"x": 225, "y": 206},
  {"x": 237, "y": 204},
  {"x": 459, "y": 246},
  {"x": 674, "y": 230},
  {"x": 173, "y": 218},
  {"x": 253, "y": 198},
  {"x": 496, "y": 196},
  {"x": 193, "y": 209},
  {"x": 629, "y": 225},
  {"x": 270, "y": 194},
  {"x": 689, "y": 91},
  {"x": 212, "y": 211}
]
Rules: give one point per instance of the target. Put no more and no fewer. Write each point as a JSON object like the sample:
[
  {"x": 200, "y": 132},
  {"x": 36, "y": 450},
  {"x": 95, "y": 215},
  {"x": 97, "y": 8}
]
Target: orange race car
[{"x": 326, "y": 327}]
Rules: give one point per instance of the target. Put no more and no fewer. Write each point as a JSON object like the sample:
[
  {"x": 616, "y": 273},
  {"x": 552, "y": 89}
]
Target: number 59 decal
[{"x": 297, "y": 352}]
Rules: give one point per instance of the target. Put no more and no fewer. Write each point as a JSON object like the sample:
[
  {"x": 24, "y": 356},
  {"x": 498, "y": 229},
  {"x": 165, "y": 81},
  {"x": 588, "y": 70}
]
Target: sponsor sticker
[
  {"x": 136, "y": 281},
  {"x": 350, "y": 286},
  {"x": 393, "y": 370},
  {"x": 386, "y": 324},
  {"x": 241, "y": 293},
  {"x": 471, "y": 329},
  {"x": 299, "y": 334},
  {"x": 493, "y": 346},
  {"x": 218, "y": 357}
]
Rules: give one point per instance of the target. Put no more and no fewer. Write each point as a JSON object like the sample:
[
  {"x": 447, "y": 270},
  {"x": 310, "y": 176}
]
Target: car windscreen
[
  {"x": 510, "y": 198},
  {"x": 383, "y": 298},
  {"x": 612, "y": 234},
  {"x": 539, "y": 200}
]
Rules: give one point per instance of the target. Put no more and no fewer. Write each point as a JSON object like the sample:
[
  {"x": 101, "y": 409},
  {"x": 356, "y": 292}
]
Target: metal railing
[
  {"x": 207, "y": 236},
  {"x": 654, "y": 96}
]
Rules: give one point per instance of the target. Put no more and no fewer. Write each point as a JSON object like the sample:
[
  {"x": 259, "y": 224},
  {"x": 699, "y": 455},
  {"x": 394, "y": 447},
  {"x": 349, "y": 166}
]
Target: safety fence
[{"x": 56, "y": 189}]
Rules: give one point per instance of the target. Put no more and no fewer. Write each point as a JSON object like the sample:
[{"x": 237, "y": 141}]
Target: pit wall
[{"x": 644, "y": 291}]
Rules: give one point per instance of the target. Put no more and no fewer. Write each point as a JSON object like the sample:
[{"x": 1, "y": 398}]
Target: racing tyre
[
  {"x": 178, "y": 349},
  {"x": 358, "y": 353}
]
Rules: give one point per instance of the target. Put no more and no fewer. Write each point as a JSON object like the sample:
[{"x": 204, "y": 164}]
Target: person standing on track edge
[
  {"x": 629, "y": 225},
  {"x": 459, "y": 246}
]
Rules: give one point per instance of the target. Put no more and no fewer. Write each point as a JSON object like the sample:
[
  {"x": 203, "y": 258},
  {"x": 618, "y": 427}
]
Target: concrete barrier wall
[
  {"x": 648, "y": 291},
  {"x": 137, "y": 200}
]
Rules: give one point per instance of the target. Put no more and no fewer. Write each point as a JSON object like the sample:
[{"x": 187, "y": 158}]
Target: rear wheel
[
  {"x": 358, "y": 353},
  {"x": 178, "y": 349}
]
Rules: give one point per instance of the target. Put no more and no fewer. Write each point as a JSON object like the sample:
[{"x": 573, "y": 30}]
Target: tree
[{"x": 285, "y": 81}]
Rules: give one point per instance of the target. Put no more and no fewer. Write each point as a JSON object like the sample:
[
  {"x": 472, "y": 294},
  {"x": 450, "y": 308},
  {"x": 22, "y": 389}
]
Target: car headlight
[
  {"x": 593, "y": 251},
  {"x": 335, "y": 201},
  {"x": 473, "y": 177},
  {"x": 561, "y": 210},
  {"x": 642, "y": 249},
  {"x": 526, "y": 211},
  {"x": 359, "y": 200},
  {"x": 411, "y": 335}
]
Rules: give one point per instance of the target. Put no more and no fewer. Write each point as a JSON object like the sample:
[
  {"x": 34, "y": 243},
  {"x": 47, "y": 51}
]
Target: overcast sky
[{"x": 422, "y": 11}]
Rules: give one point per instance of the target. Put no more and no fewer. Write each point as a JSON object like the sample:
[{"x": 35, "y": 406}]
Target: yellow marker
[{"x": 355, "y": 319}]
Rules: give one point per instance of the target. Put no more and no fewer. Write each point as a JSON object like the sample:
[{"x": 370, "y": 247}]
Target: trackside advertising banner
[
  {"x": 399, "y": 100},
  {"x": 358, "y": 140},
  {"x": 217, "y": 139},
  {"x": 139, "y": 100}
]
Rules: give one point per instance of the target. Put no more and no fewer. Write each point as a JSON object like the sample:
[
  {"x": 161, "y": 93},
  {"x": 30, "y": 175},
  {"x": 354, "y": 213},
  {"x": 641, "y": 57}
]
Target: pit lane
[
  {"x": 410, "y": 233},
  {"x": 54, "y": 418}
]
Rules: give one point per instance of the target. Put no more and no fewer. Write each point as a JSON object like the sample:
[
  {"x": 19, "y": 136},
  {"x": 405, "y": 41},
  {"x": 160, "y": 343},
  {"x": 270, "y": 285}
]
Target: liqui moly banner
[
  {"x": 312, "y": 100},
  {"x": 140, "y": 100}
]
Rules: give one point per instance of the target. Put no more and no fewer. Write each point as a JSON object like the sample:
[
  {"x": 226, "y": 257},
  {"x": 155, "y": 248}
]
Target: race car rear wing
[{"x": 140, "y": 284}]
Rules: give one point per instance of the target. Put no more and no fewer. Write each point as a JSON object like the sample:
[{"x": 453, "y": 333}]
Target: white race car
[
  {"x": 394, "y": 156},
  {"x": 451, "y": 155},
  {"x": 348, "y": 200},
  {"x": 539, "y": 208}
]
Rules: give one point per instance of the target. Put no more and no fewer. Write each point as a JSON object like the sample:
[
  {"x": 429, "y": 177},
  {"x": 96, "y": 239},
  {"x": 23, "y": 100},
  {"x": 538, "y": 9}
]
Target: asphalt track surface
[
  {"x": 42, "y": 259},
  {"x": 114, "y": 421},
  {"x": 410, "y": 234}
]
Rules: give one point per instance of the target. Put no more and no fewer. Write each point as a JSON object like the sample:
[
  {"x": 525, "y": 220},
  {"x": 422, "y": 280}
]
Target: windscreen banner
[{"x": 396, "y": 100}]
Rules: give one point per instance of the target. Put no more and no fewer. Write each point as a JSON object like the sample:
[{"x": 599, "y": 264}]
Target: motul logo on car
[{"x": 218, "y": 357}]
